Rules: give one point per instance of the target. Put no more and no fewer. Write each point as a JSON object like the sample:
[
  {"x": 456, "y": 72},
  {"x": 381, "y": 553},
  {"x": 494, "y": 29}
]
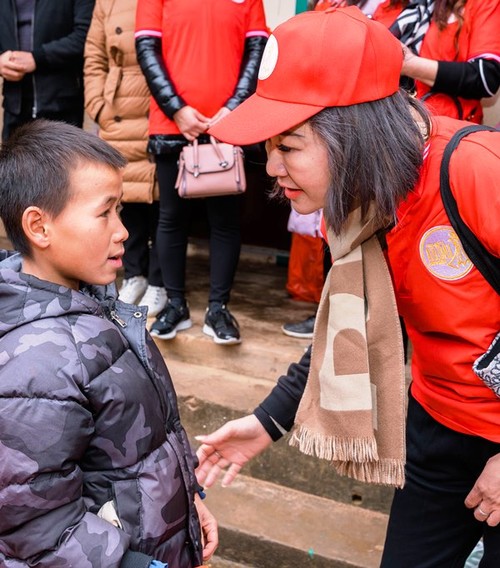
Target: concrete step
[
  {"x": 259, "y": 302},
  {"x": 218, "y": 562},
  {"x": 263, "y": 353},
  {"x": 264, "y": 525},
  {"x": 209, "y": 397}
]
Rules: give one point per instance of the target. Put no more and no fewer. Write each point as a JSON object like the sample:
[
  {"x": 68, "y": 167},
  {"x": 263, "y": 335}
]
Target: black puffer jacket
[{"x": 59, "y": 31}]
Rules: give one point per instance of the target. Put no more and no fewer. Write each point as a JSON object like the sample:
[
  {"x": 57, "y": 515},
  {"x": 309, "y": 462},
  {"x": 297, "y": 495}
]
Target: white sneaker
[
  {"x": 132, "y": 289},
  {"x": 155, "y": 299}
]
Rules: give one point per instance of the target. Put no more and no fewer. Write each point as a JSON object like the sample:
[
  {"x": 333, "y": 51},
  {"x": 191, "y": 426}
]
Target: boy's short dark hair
[{"x": 35, "y": 167}]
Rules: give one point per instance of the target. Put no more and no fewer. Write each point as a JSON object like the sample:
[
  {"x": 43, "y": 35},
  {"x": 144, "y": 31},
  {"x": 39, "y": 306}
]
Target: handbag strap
[
  {"x": 485, "y": 262},
  {"x": 223, "y": 163}
]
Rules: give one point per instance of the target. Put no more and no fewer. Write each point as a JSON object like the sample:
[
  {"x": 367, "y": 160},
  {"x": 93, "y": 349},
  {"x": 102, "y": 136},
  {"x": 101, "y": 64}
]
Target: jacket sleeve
[
  {"x": 65, "y": 50},
  {"x": 247, "y": 81},
  {"x": 468, "y": 79},
  {"x": 96, "y": 66},
  {"x": 149, "y": 56},
  {"x": 277, "y": 411}
]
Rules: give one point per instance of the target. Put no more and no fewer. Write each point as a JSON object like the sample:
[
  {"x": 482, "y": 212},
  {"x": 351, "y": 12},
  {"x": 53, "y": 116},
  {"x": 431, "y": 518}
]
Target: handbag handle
[{"x": 223, "y": 163}]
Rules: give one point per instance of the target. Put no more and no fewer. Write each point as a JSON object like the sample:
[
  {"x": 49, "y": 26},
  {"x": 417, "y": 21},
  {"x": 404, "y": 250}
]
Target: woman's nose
[{"x": 275, "y": 166}]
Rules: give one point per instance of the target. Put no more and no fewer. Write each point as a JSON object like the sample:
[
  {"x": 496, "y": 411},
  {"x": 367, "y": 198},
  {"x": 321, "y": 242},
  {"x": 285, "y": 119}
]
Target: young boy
[{"x": 95, "y": 467}]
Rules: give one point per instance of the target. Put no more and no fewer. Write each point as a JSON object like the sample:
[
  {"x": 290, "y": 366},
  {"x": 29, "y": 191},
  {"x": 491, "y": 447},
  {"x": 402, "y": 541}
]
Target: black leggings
[
  {"x": 172, "y": 236},
  {"x": 13, "y": 121},
  {"x": 141, "y": 257}
]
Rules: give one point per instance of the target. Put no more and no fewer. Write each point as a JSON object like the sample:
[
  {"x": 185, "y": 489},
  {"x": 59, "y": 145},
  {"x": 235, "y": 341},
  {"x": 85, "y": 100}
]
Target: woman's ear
[{"x": 34, "y": 227}]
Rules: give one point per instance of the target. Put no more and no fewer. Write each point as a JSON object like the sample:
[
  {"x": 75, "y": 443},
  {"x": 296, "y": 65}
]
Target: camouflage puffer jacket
[{"x": 88, "y": 415}]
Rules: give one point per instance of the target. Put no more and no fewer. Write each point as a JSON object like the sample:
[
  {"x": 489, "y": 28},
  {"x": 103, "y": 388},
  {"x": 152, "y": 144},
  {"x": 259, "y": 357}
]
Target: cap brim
[{"x": 258, "y": 119}]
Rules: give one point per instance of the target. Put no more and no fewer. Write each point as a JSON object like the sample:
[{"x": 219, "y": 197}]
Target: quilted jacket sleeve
[
  {"x": 247, "y": 81},
  {"x": 67, "y": 49},
  {"x": 96, "y": 65},
  {"x": 157, "y": 77}
]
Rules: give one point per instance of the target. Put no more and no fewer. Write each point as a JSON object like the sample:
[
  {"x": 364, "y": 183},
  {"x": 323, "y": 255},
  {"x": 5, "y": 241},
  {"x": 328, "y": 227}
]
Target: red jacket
[
  {"x": 479, "y": 37},
  {"x": 452, "y": 314}
]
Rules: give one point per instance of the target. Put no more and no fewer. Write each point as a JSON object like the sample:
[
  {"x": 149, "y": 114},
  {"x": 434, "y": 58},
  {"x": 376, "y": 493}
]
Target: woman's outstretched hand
[{"x": 229, "y": 448}]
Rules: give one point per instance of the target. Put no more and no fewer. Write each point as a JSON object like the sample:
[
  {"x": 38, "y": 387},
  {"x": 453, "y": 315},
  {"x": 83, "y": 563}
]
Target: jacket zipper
[
  {"x": 34, "y": 110},
  {"x": 164, "y": 406},
  {"x": 115, "y": 317}
]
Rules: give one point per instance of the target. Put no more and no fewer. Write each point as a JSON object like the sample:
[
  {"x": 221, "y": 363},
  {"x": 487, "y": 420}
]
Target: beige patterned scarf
[{"x": 353, "y": 408}]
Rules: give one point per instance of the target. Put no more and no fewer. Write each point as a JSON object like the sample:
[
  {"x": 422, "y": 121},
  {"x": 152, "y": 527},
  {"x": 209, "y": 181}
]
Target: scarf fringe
[
  {"x": 384, "y": 472},
  {"x": 354, "y": 457},
  {"x": 333, "y": 448}
]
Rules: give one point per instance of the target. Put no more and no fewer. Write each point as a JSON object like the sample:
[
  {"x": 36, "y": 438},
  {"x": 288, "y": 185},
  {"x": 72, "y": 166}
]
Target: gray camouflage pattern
[{"x": 88, "y": 414}]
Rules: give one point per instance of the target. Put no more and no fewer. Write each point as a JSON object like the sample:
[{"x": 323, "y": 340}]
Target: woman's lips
[{"x": 291, "y": 193}]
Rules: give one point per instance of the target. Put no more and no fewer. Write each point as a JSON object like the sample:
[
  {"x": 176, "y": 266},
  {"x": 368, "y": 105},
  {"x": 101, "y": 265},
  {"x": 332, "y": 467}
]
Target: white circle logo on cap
[{"x": 269, "y": 58}]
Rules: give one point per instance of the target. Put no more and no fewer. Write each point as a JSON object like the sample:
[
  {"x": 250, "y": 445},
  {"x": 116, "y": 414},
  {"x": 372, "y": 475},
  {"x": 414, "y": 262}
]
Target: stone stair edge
[
  {"x": 278, "y": 523},
  {"x": 257, "y": 356},
  {"x": 238, "y": 392},
  {"x": 210, "y": 397}
]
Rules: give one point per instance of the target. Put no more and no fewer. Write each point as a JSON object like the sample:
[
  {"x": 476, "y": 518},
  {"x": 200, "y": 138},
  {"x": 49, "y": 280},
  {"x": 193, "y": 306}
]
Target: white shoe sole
[
  {"x": 297, "y": 335},
  {"x": 186, "y": 324},
  {"x": 207, "y": 330}
]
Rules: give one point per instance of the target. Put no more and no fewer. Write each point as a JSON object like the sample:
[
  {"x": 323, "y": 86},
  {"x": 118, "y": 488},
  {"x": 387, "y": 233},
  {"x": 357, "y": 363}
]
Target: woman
[
  {"x": 196, "y": 74},
  {"x": 117, "y": 99},
  {"x": 366, "y": 152}
]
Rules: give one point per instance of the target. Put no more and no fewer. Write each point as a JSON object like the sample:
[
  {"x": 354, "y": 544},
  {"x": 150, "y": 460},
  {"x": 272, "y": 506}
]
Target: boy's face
[{"x": 86, "y": 238}]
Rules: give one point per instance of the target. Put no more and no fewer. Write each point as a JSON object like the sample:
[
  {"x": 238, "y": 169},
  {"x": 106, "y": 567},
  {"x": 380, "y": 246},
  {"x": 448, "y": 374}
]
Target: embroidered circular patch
[
  {"x": 443, "y": 255},
  {"x": 269, "y": 58}
]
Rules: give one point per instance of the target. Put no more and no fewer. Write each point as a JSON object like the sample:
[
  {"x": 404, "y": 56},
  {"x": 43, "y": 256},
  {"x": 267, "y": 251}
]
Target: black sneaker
[
  {"x": 173, "y": 318},
  {"x": 222, "y": 326},
  {"x": 303, "y": 329}
]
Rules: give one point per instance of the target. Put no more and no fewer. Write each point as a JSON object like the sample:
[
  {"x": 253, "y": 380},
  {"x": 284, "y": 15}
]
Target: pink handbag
[{"x": 212, "y": 169}]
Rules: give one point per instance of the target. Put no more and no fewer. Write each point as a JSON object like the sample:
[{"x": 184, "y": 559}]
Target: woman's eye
[
  {"x": 105, "y": 213},
  {"x": 283, "y": 148}
]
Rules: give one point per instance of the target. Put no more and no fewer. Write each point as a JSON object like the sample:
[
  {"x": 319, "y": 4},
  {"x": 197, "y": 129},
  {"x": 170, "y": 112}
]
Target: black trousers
[
  {"x": 429, "y": 525},
  {"x": 172, "y": 237},
  {"x": 13, "y": 121},
  {"x": 141, "y": 257}
]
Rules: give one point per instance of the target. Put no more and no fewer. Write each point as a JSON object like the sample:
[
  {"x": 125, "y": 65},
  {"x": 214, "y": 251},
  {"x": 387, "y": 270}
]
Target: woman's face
[{"x": 299, "y": 162}]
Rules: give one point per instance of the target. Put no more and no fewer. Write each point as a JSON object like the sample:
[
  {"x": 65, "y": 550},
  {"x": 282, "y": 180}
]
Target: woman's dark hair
[
  {"x": 375, "y": 151},
  {"x": 35, "y": 167}
]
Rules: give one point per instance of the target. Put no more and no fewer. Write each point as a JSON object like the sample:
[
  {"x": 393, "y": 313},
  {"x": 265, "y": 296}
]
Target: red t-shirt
[
  {"x": 451, "y": 313},
  {"x": 479, "y": 37},
  {"x": 203, "y": 43}
]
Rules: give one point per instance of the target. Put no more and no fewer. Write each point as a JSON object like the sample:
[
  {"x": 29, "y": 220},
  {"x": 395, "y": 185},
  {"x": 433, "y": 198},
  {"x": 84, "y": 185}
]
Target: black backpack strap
[{"x": 485, "y": 262}]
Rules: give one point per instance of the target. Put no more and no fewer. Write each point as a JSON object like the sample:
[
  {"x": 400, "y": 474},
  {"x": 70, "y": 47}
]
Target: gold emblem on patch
[{"x": 443, "y": 255}]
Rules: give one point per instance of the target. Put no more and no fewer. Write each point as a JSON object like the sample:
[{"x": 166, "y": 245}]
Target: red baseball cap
[{"x": 316, "y": 59}]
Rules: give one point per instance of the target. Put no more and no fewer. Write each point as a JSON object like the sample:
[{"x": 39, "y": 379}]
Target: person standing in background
[
  {"x": 200, "y": 60},
  {"x": 388, "y": 10},
  {"x": 41, "y": 60},
  {"x": 452, "y": 51},
  {"x": 117, "y": 99}
]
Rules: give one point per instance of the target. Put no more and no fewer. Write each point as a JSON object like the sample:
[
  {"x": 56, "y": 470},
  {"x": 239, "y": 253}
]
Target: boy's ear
[{"x": 34, "y": 227}]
